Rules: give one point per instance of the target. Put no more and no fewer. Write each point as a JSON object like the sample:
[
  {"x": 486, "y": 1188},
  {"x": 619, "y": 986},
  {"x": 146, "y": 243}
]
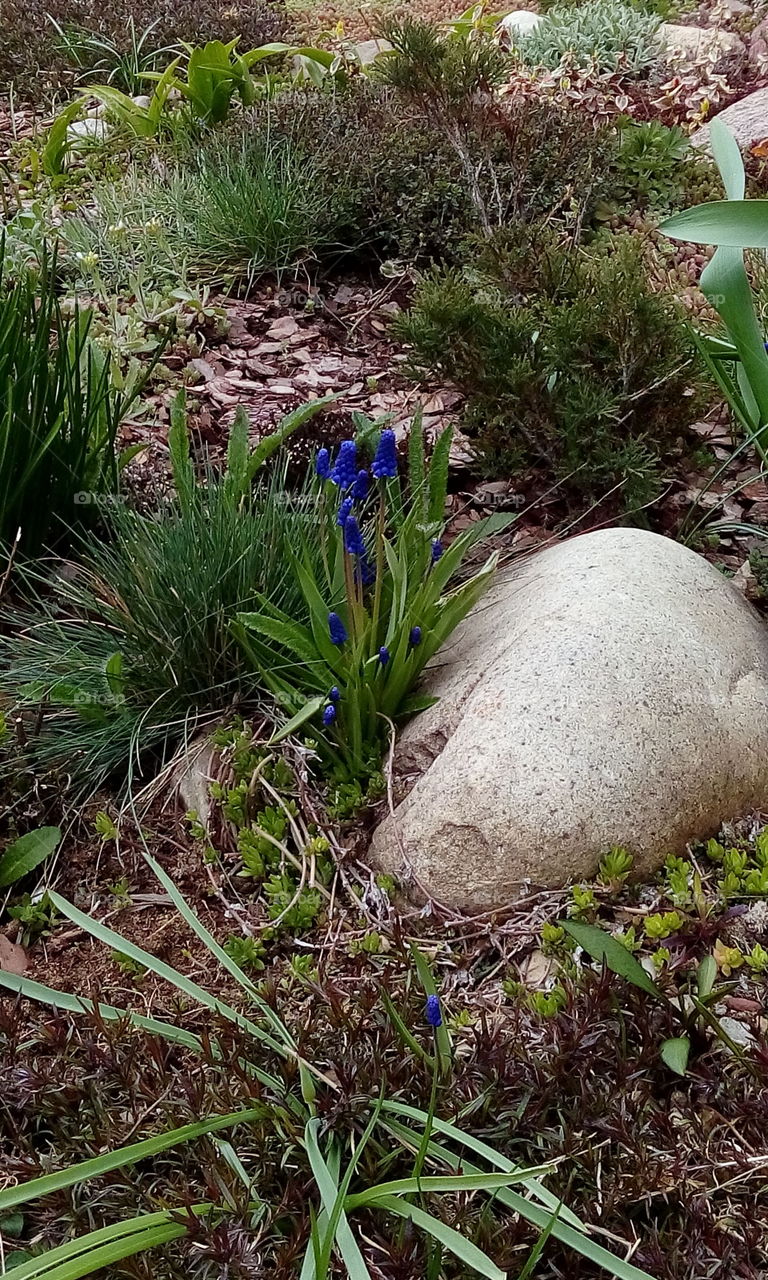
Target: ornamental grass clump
[{"x": 378, "y": 596}]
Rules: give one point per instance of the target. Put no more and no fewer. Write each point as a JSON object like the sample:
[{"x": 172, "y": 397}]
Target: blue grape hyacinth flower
[
  {"x": 336, "y": 629},
  {"x": 437, "y": 550},
  {"x": 384, "y": 465},
  {"x": 353, "y": 538},
  {"x": 344, "y": 512},
  {"x": 329, "y": 714},
  {"x": 344, "y": 473},
  {"x": 323, "y": 464},
  {"x": 432, "y": 1012},
  {"x": 334, "y": 694},
  {"x": 367, "y": 571},
  {"x": 415, "y": 637},
  {"x": 361, "y": 486},
  {"x": 383, "y": 655}
]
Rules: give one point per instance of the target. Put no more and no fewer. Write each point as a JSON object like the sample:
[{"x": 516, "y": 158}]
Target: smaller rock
[
  {"x": 694, "y": 44},
  {"x": 369, "y": 50},
  {"x": 519, "y": 23},
  {"x": 746, "y": 119},
  {"x": 88, "y": 130}
]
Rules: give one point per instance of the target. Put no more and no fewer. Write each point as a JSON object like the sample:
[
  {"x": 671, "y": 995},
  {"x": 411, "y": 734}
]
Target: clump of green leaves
[
  {"x": 607, "y": 35},
  {"x": 59, "y": 412},
  {"x": 565, "y": 357},
  {"x": 380, "y": 599}
]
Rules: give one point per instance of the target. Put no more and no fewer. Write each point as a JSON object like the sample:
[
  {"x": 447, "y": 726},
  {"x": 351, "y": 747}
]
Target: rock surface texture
[
  {"x": 696, "y": 43},
  {"x": 746, "y": 119},
  {"x": 613, "y": 690}
]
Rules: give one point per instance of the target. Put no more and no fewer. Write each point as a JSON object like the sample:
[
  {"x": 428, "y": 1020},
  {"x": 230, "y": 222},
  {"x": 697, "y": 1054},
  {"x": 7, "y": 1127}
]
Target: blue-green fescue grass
[
  {"x": 228, "y": 211},
  {"x": 130, "y": 648}
]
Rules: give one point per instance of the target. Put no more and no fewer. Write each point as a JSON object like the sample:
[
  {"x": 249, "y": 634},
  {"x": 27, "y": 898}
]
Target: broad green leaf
[
  {"x": 735, "y": 224},
  {"x": 26, "y": 853},
  {"x": 328, "y": 1187},
  {"x": 105, "y": 1246},
  {"x": 601, "y": 946},
  {"x": 57, "y": 144},
  {"x": 307, "y": 713},
  {"x": 675, "y": 1053},
  {"x": 428, "y": 1183},
  {"x": 706, "y": 976}
]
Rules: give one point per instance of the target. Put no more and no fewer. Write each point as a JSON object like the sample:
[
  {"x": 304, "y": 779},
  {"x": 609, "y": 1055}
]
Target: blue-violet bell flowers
[
  {"x": 415, "y": 637},
  {"x": 437, "y": 550},
  {"x": 353, "y": 538},
  {"x": 323, "y": 464},
  {"x": 329, "y": 714},
  {"x": 344, "y": 473},
  {"x": 344, "y": 512},
  {"x": 336, "y": 629},
  {"x": 361, "y": 486},
  {"x": 383, "y": 655},
  {"x": 432, "y": 1012},
  {"x": 384, "y": 465}
]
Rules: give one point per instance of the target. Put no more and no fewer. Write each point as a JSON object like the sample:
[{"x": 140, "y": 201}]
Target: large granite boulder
[{"x": 612, "y": 690}]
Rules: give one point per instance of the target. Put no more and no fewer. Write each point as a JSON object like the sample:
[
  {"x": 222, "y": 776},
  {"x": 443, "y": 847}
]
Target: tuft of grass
[{"x": 130, "y": 648}]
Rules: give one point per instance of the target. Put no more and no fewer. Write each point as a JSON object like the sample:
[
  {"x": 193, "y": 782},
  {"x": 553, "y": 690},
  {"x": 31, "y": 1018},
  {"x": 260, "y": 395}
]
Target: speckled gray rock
[
  {"x": 613, "y": 690},
  {"x": 746, "y": 119}
]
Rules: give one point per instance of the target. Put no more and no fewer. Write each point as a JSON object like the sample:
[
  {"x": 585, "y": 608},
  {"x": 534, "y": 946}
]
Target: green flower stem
[{"x": 379, "y": 573}]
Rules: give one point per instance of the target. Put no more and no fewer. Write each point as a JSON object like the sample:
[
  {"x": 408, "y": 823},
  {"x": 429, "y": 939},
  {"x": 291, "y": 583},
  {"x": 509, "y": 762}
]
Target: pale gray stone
[
  {"x": 613, "y": 690},
  {"x": 747, "y": 120},
  {"x": 696, "y": 43}
]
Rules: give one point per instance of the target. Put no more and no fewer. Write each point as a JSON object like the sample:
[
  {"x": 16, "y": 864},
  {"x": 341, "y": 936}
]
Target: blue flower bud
[
  {"x": 415, "y": 637},
  {"x": 385, "y": 463},
  {"x": 383, "y": 655},
  {"x": 334, "y": 694},
  {"x": 329, "y": 714},
  {"x": 353, "y": 538},
  {"x": 336, "y": 629},
  {"x": 437, "y": 550},
  {"x": 432, "y": 1012},
  {"x": 361, "y": 487},
  {"x": 344, "y": 473},
  {"x": 323, "y": 464},
  {"x": 344, "y": 512}
]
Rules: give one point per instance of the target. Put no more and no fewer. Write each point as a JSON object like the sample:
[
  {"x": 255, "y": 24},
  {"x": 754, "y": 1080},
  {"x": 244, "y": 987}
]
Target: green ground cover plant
[
  {"x": 349, "y": 1171},
  {"x": 566, "y": 357},
  {"x": 607, "y": 35}
]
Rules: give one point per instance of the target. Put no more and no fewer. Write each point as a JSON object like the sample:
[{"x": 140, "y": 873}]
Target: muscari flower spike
[
  {"x": 329, "y": 714},
  {"x": 415, "y": 637},
  {"x": 353, "y": 538},
  {"x": 437, "y": 550},
  {"x": 344, "y": 473},
  {"x": 432, "y": 1012},
  {"x": 383, "y": 655},
  {"x": 361, "y": 486},
  {"x": 384, "y": 465},
  {"x": 344, "y": 512},
  {"x": 336, "y": 629},
  {"x": 367, "y": 571},
  {"x": 334, "y": 694},
  {"x": 323, "y": 464}
]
